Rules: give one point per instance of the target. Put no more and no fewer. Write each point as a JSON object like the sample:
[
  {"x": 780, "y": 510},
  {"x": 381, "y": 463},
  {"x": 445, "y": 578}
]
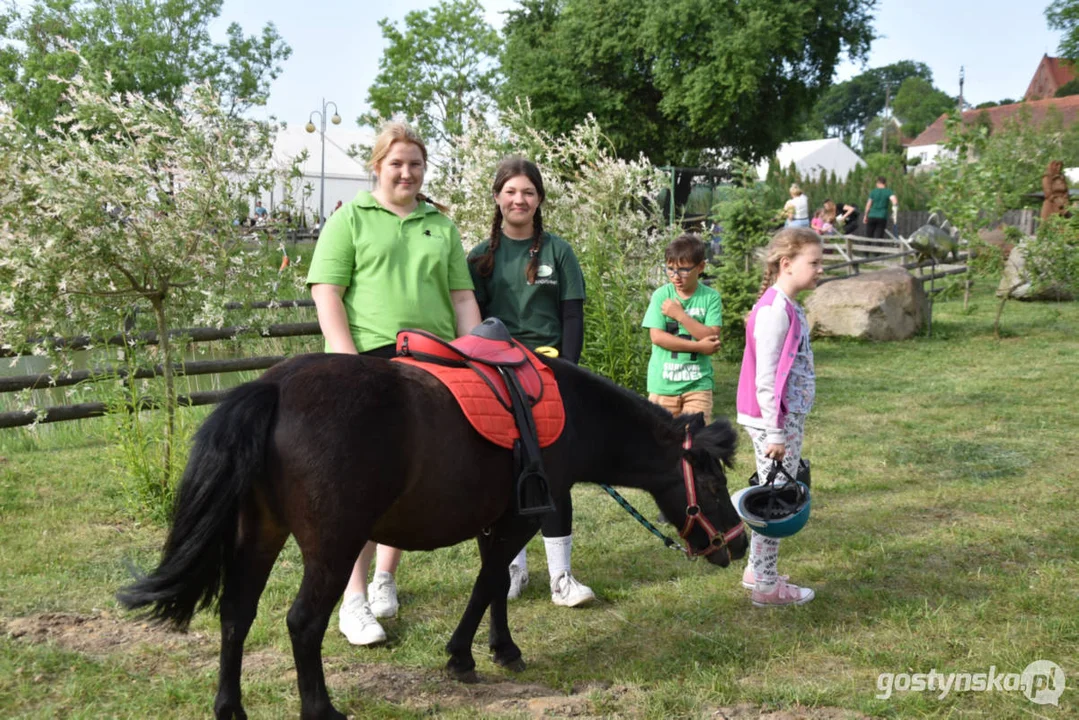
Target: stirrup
[{"x": 533, "y": 494}]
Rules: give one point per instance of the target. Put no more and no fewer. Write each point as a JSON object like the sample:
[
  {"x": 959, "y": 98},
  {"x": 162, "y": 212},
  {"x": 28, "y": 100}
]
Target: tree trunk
[{"x": 165, "y": 344}]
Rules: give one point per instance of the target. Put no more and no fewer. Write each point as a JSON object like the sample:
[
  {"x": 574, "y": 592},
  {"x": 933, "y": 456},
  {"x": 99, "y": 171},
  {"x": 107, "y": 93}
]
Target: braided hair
[
  {"x": 511, "y": 167},
  {"x": 787, "y": 243}
]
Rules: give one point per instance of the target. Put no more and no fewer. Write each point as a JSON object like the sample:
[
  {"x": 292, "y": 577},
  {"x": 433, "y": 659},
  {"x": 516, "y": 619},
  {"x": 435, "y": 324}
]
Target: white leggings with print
[{"x": 764, "y": 551}]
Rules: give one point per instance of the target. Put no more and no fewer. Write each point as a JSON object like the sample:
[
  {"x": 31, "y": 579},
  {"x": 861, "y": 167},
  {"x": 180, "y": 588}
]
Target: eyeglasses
[{"x": 682, "y": 271}]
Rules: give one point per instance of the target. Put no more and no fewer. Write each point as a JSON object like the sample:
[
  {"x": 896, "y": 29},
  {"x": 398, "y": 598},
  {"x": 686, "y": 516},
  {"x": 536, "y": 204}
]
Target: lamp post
[{"x": 336, "y": 120}]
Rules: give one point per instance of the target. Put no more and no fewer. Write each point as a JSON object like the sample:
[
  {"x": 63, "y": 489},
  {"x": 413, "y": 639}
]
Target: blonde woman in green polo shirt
[
  {"x": 530, "y": 279},
  {"x": 385, "y": 261}
]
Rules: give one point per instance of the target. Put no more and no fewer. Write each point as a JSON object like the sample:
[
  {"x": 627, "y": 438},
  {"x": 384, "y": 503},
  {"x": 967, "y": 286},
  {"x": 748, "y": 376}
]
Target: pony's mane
[
  {"x": 719, "y": 440},
  {"x": 628, "y": 402}
]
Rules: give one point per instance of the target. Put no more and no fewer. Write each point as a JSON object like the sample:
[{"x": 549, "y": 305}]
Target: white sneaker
[
  {"x": 383, "y": 595},
  {"x": 356, "y": 622},
  {"x": 518, "y": 581},
  {"x": 567, "y": 592}
]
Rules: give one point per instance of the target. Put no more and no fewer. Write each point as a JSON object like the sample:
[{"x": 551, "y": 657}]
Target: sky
[{"x": 337, "y": 44}]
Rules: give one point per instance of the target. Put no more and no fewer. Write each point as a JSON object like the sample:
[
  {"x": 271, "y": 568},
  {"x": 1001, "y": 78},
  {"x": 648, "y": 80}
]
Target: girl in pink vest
[{"x": 776, "y": 389}]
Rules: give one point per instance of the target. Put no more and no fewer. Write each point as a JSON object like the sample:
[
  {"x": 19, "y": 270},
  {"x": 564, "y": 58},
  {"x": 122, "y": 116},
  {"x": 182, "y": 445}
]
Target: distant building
[
  {"x": 925, "y": 148},
  {"x": 345, "y": 175},
  {"x": 814, "y": 158},
  {"x": 1051, "y": 75}
]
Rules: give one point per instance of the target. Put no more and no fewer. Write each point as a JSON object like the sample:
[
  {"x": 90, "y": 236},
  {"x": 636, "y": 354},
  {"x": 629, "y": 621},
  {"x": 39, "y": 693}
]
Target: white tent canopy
[
  {"x": 345, "y": 175},
  {"x": 812, "y": 158}
]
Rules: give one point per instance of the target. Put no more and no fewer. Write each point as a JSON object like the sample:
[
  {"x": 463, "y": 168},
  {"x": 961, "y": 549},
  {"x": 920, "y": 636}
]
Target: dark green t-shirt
[
  {"x": 532, "y": 313},
  {"x": 881, "y": 199}
]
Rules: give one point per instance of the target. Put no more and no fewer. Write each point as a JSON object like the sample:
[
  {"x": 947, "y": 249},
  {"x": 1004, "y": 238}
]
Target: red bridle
[{"x": 716, "y": 539}]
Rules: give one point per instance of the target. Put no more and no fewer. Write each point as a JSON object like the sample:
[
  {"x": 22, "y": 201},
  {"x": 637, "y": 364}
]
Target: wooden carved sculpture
[{"x": 1055, "y": 187}]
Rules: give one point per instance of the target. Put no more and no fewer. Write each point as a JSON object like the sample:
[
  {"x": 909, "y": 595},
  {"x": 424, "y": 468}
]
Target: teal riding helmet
[{"x": 775, "y": 509}]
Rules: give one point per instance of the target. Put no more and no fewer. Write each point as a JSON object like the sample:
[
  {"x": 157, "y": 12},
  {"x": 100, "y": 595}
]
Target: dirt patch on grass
[
  {"x": 97, "y": 634},
  {"x": 101, "y": 634}
]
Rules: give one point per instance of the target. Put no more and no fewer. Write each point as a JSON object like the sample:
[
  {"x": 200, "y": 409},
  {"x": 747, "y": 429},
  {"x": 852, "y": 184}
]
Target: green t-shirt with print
[
  {"x": 398, "y": 272},
  {"x": 678, "y": 373},
  {"x": 881, "y": 202},
  {"x": 532, "y": 313}
]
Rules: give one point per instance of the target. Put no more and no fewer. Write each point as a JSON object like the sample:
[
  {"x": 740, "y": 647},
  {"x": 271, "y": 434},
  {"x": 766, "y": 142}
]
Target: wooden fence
[
  {"x": 61, "y": 413},
  {"x": 847, "y": 255},
  {"x": 910, "y": 220}
]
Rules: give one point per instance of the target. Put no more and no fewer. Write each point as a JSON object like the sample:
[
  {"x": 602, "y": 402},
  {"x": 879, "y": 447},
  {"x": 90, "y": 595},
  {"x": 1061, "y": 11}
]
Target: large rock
[
  {"x": 1016, "y": 279},
  {"x": 883, "y": 305}
]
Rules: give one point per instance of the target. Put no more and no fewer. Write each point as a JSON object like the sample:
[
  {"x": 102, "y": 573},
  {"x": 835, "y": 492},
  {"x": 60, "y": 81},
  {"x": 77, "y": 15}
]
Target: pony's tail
[{"x": 227, "y": 458}]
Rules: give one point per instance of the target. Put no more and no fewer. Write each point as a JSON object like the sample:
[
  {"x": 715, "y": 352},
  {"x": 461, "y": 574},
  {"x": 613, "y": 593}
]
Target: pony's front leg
[
  {"x": 461, "y": 664},
  {"x": 498, "y": 555}
]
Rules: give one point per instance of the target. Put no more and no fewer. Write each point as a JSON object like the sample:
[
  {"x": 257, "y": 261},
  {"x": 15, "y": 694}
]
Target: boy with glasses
[{"x": 683, "y": 320}]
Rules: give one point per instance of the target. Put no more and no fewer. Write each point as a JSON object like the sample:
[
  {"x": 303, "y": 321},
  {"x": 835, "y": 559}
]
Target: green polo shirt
[
  {"x": 532, "y": 313},
  {"x": 398, "y": 272},
  {"x": 678, "y": 373}
]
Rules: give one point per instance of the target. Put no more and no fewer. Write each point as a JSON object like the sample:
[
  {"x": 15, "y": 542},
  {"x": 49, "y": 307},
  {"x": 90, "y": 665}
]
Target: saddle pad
[{"x": 483, "y": 408}]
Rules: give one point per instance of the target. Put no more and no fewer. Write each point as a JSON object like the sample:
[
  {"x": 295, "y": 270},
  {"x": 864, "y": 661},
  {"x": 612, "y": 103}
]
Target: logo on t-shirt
[{"x": 543, "y": 275}]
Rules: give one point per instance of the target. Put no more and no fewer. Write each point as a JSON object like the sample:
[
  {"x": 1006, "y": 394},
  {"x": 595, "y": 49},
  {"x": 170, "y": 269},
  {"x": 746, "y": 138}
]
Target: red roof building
[
  {"x": 1051, "y": 74},
  {"x": 1066, "y": 108}
]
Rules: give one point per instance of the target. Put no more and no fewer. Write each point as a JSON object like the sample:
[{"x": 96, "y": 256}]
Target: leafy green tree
[
  {"x": 127, "y": 209},
  {"x": 847, "y": 107},
  {"x": 918, "y": 104},
  {"x": 152, "y": 47},
  {"x": 1069, "y": 88},
  {"x": 439, "y": 71},
  {"x": 984, "y": 174},
  {"x": 747, "y": 222},
  {"x": 1063, "y": 15},
  {"x": 673, "y": 78}
]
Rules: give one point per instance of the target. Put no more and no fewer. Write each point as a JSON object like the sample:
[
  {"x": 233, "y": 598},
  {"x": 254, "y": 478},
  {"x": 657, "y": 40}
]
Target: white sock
[
  {"x": 521, "y": 560},
  {"x": 383, "y": 575},
  {"x": 558, "y": 554}
]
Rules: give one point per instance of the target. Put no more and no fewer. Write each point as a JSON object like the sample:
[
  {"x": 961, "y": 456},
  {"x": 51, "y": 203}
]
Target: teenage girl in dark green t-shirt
[{"x": 530, "y": 279}]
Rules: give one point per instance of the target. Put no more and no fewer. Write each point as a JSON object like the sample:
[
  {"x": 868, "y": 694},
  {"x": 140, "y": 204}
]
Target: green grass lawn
[{"x": 942, "y": 538}]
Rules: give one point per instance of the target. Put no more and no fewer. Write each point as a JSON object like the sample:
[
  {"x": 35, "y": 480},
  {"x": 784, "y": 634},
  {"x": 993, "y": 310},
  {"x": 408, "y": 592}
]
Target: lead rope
[{"x": 668, "y": 541}]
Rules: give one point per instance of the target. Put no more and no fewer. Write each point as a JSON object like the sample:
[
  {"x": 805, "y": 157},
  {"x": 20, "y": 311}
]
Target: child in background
[
  {"x": 776, "y": 388},
  {"x": 683, "y": 320}
]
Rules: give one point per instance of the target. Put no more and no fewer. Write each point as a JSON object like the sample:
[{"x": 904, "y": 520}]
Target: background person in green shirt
[
  {"x": 684, "y": 318},
  {"x": 530, "y": 279},
  {"x": 876, "y": 209},
  {"x": 385, "y": 261}
]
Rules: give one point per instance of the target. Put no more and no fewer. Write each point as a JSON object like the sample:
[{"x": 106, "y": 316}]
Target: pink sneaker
[
  {"x": 749, "y": 578},
  {"x": 782, "y": 594}
]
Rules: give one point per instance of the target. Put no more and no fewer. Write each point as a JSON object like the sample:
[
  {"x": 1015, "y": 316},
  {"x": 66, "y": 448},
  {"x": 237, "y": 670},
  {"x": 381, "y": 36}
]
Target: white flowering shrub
[
  {"x": 124, "y": 215},
  {"x": 599, "y": 203}
]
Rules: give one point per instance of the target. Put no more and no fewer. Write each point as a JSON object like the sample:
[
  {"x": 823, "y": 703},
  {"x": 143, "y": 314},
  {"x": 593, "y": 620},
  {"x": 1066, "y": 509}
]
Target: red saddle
[{"x": 469, "y": 367}]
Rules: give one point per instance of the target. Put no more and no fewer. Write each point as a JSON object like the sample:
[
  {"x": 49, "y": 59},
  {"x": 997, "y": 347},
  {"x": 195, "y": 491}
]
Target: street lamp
[{"x": 336, "y": 120}]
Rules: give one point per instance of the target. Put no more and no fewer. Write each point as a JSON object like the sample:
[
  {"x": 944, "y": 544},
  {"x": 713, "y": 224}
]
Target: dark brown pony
[{"x": 337, "y": 450}]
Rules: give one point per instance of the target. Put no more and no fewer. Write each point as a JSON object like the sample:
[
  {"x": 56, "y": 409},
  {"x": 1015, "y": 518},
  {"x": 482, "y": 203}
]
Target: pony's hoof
[
  {"x": 516, "y": 666},
  {"x": 461, "y": 674}
]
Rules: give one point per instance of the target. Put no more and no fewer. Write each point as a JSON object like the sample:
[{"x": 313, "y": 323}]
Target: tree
[
  {"x": 152, "y": 47},
  {"x": 673, "y": 78},
  {"x": 985, "y": 174},
  {"x": 918, "y": 104},
  {"x": 846, "y": 108},
  {"x": 1063, "y": 15},
  {"x": 126, "y": 210},
  {"x": 439, "y": 71}
]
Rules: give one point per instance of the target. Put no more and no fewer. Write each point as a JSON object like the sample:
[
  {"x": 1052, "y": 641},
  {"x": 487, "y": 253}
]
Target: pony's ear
[{"x": 693, "y": 422}]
